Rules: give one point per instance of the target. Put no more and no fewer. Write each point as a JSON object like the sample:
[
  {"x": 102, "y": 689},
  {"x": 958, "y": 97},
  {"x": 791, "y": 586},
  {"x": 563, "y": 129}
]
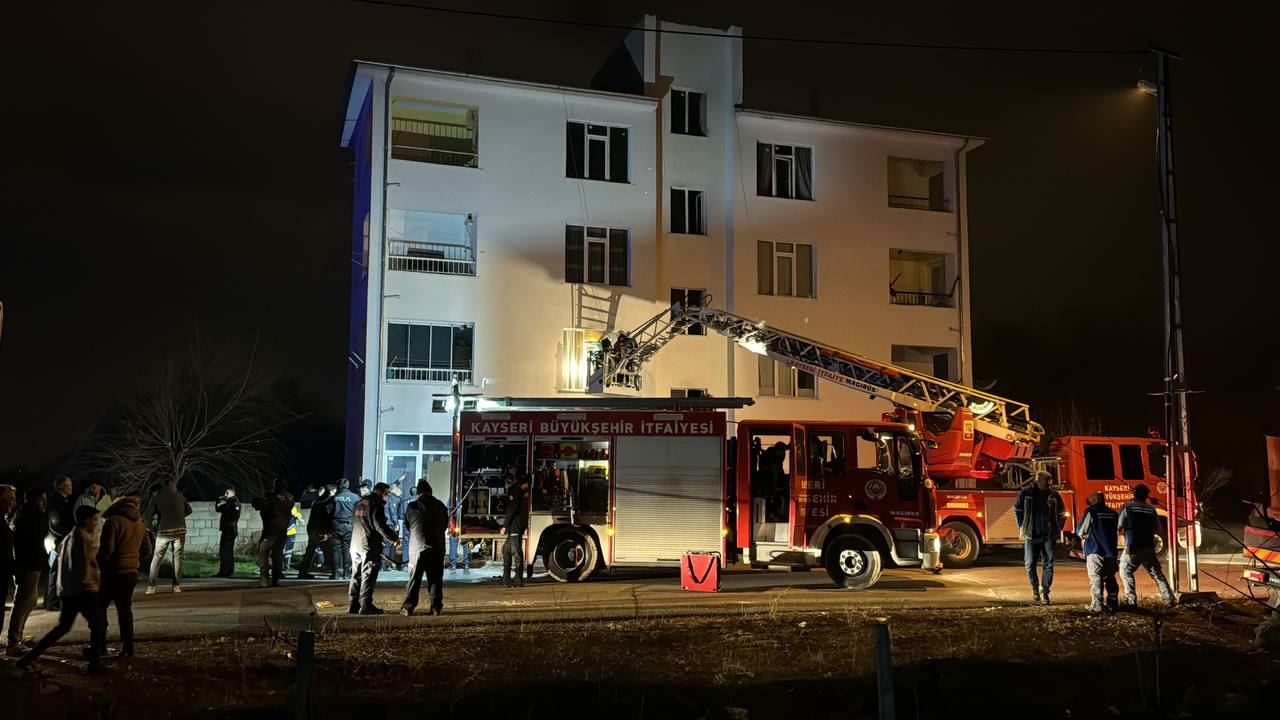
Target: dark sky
[{"x": 175, "y": 170}]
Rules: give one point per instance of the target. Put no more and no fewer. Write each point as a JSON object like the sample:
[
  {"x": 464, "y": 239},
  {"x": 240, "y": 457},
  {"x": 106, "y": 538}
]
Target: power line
[{"x": 768, "y": 38}]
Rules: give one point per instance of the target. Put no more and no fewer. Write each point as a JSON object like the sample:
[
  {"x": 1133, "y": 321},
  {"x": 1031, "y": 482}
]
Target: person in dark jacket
[
  {"x": 169, "y": 510},
  {"x": 1097, "y": 531},
  {"x": 513, "y": 527},
  {"x": 228, "y": 508},
  {"x": 8, "y": 565},
  {"x": 30, "y": 529},
  {"x": 344, "y": 505},
  {"x": 320, "y": 533},
  {"x": 369, "y": 534},
  {"x": 395, "y": 518},
  {"x": 1040, "y": 515},
  {"x": 276, "y": 510},
  {"x": 1141, "y": 523},
  {"x": 427, "y": 520},
  {"x": 123, "y": 543},
  {"x": 62, "y": 520}
]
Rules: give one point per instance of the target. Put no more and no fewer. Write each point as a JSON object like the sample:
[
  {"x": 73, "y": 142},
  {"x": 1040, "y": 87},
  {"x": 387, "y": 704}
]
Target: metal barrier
[
  {"x": 429, "y": 257},
  {"x": 435, "y": 375}
]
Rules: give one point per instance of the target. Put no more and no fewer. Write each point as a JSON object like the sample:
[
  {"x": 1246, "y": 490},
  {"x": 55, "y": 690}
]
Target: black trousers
[
  {"x": 85, "y": 604},
  {"x": 227, "y": 553},
  {"x": 271, "y": 557},
  {"x": 513, "y": 559},
  {"x": 342, "y": 551},
  {"x": 314, "y": 543},
  {"x": 431, "y": 563},
  {"x": 117, "y": 589},
  {"x": 364, "y": 577}
]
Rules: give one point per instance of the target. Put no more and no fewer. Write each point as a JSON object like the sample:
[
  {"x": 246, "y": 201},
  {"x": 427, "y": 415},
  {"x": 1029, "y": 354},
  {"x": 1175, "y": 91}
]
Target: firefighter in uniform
[
  {"x": 513, "y": 527},
  {"x": 427, "y": 520},
  {"x": 1139, "y": 522},
  {"x": 369, "y": 535},
  {"x": 344, "y": 505},
  {"x": 1097, "y": 530}
]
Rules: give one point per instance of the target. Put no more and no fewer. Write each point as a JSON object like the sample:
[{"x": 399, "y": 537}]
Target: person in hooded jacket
[
  {"x": 78, "y": 583},
  {"x": 276, "y": 510},
  {"x": 370, "y": 533},
  {"x": 124, "y": 541},
  {"x": 30, "y": 528},
  {"x": 427, "y": 520},
  {"x": 62, "y": 520}
]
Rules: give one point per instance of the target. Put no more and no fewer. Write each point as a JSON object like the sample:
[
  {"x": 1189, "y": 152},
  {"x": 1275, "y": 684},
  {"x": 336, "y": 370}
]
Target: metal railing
[
  {"x": 914, "y": 202},
  {"x": 925, "y": 299},
  {"x": 429, "y": 257},
  {"x": 433, "y": 142},
  {"x": 434, "y": 375}
]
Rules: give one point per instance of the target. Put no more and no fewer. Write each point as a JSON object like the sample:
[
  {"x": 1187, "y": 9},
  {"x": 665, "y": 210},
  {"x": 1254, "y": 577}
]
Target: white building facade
[{"x": 502, "y": 227}]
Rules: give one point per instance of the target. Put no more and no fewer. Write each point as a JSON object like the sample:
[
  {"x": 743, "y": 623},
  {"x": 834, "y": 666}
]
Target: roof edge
[
  {"x": 849, "y": 123},
  {"x": 448, "y": 74}
]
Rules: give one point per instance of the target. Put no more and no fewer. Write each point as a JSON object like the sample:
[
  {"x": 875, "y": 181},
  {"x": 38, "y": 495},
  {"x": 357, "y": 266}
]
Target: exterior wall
[
  {"x": 362, "y": 181},
  {"x": 203, "y": 534}
]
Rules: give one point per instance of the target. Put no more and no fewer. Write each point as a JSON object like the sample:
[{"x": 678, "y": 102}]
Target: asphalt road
[{"x": 215, "y": 606}]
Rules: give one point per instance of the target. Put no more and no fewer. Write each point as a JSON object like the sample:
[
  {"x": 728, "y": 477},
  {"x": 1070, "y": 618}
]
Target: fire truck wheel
[
  {"x": 852, "y": 562},
  {"x": 570, "y": 556},
  {"x": 960, "y": 545}
]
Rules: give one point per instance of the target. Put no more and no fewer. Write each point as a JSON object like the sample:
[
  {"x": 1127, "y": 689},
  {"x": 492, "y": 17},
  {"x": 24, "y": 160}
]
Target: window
[
  {"x": 939, "y": 362},
  {"x": 415, "y": 456},
  {"x": 689, "y": 393},
  {"x": 596, "y": 255},
  {"x": 1099, "y": 463},
  {"x": 431, "y": 242},
  {"x": 431, "y": 353},
  {"x": 1131, "y": 467},
  {"x": 596, "y": 152},
  {"x": 784, "y": 268},
  {"x": 782, "y": 380},
  {"x": 682, "y": 297},
  {"x": 434, "y": 132},
  {"x": 784, "y": 171},
  {"x": 874, "y": 453},
  {"x": 920, "y": 278},
  {"x": 826, "y": 454},
  {"x": 687, "y": 212},
  {"x": 1157, "y": 459},
  {"x": 908, "y": 463},
  {"x": 688, "y": 110},
  {"x": 918, "y": 184}
]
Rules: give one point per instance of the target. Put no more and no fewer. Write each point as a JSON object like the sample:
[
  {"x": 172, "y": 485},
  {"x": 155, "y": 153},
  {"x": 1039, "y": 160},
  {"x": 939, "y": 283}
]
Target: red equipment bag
[{"x": 700, "y": 572}]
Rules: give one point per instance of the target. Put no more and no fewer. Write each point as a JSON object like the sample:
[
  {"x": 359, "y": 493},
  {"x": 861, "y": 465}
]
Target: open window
[
  {"x": 918, "y": 184},
  {"x": 435, "y": 132},
  {"x": 771, "y": 467},
  {"x": 826, "y": 453}
]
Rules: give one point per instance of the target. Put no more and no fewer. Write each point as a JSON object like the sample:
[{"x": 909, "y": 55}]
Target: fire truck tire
[
  {"x": 570, "y": 556},
  {"x": 960, "y": 545},
  {"x": 852, "y": 562}
]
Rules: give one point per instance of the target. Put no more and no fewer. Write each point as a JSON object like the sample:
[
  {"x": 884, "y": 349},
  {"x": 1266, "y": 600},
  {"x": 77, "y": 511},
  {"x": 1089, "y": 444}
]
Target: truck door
[{"x": 770, "y": 459}]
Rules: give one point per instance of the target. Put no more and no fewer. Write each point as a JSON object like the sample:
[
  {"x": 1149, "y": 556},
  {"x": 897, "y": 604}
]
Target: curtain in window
[
  {"x": 804, "y": 271},
  {"x": 804, "y": 173},
  {"x": 764, "y": 169},
  {"x": 573, "y": 252},
  {"x": 764, "y": 268},
  {"x": 618, "y": 151},
  {"x": 786, "y": 386},
  {"x": 619, "y": 258},
  {"x": 574, "y": 146},
  {"x": 678, "y": 207},
  {"x": 765, "y": 375}
]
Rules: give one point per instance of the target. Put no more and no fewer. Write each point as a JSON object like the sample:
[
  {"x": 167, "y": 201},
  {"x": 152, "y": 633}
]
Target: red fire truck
[{"x": 619, "y": 488}]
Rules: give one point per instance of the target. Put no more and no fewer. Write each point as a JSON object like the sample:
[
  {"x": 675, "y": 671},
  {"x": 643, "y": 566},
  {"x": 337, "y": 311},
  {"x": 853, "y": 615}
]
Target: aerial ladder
[{"x": 1004, "y": 428}]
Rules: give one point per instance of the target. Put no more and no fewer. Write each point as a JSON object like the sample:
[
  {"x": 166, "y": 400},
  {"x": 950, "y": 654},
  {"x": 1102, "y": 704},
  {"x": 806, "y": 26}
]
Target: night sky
[{"x": 174, "y": 171}]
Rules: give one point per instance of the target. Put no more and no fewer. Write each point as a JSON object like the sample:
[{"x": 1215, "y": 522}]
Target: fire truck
[
  {"x": 1262, "y": 533},
  {"x": 635, "y": 482},
  {"x": 980, "y": 447}
]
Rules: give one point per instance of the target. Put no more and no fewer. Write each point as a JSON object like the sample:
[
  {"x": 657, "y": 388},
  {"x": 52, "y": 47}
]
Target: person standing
[
  {"x": 8, "y": 564},
  {"x": 276, "y": 510},
  {"x": 30, "y": 529},
  {"x": 320, "y": 533},
  {"x": 124, "y": 541},
  {"x": 1040, "y": 515},
  {"x": 169, "y": 510},
  {"x": 62, "y": 520},
  {"x": 78, "y": 583},
  {"x": 228, "y": 509},
  {"x": 91, "y": 495},
  {"x": 513, "y": 527},
  {"x": 344, "y": 505},
  {"x": 1140, "y": 524},
  {"x": 395, "y": 518},
  {"x": 427, "y": 520},
  {"x": 1097, "y": 530},
  {"x": 455, "y": 540},
  {"x": 369, "y": 534}
]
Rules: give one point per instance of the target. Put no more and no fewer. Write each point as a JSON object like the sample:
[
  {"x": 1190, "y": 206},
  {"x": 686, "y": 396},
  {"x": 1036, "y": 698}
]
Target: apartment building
[{"x": 501, "y": 227}]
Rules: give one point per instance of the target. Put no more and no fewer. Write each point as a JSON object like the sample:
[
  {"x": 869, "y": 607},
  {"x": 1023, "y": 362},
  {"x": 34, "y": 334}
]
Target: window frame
[
  {"x": 702, "y": 106},
  {"x": 1134, "y": 461},
  {"x": 791, "y": 388},
  {"x": 608, "y": 140},
  {"x": 774, "y": 273},
  {"x": 1089, "y": 463},
  {"x": 607, "y": 241},
  {"x": 696, "y": 328},
  {"x": 467, "y": 374},
  {"x": 792, "y": 170},
  {"x": 684, "y": 203}
]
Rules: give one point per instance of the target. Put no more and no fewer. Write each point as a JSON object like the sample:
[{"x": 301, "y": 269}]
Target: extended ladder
[{"x": 621, "y": 359}]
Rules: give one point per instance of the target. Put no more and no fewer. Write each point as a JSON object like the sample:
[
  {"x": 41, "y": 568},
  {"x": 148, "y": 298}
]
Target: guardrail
[
  {"x": 925, "y": 299},
  {"x": 433, "y": 142},
  {"x": 429, "y": 375},
  {"x": 429, "y": 257}
]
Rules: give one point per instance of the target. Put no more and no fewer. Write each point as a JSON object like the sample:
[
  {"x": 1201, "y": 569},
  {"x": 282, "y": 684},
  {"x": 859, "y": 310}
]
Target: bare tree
[
  {"x": 205, "y": 423},
  {"x": 1071, "y": 421},
  {"x": 1208, "y": 484}
]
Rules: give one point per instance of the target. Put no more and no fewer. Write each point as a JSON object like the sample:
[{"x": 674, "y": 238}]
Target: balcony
[
  {"x": 920, "y": 278},
  {"x": 912, "y": 297},
  {"x": 435, "y": 142},
  {"x": 430, "y": 257},
  {"x": 433, "y": 375}
]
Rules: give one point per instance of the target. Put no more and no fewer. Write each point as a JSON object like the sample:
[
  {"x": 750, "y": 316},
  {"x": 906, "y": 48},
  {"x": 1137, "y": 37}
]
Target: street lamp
[{"x": 1149, "y": 88}]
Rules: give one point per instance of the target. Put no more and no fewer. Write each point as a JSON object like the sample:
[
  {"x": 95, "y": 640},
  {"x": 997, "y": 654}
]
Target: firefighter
[
  {"x": 427, "y": 520},
  {"x": 1097, "y": 531},
  {"x": 369, "y": 536},
  {"x": 1040, "y": 514},
  {"x": 513, "y": 527},
  {"x": 344, "y": 505},
  {"x": 1139, "y": 521}
]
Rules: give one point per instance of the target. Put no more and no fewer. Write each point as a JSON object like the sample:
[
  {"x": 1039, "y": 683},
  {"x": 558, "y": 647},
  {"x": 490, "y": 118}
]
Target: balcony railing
[
  {"x": 915, "y": 202},
  {"x": 433, "y": 142},
  {"x": 912, "y": 297},
  {"x": 429, "y": 257},
  {"x": 435, "y": 375}
]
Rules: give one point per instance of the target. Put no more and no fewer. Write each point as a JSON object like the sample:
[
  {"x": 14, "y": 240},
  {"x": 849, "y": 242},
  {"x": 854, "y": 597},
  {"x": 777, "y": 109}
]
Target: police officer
[
  {"x": 320, "y": 533},
  {"x": 369, "y": 534},
  {"x": 1097, "y": 530},
  {"x": 344, "y": 504},
  {"x": 276, "y": 510},
  {"x": 1139, "y": 521},
  {"x": 513, "y": 527},
  {"x": 427, "y": 520},
  {"x": 228, "y": 507}
]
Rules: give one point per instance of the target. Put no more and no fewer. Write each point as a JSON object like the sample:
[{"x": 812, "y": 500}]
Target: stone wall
[{"x": 203, "y": 534}]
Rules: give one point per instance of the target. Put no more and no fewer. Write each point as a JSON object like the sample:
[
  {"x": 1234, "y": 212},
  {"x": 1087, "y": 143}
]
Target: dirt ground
[{"x": 1056, "y": 662}]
